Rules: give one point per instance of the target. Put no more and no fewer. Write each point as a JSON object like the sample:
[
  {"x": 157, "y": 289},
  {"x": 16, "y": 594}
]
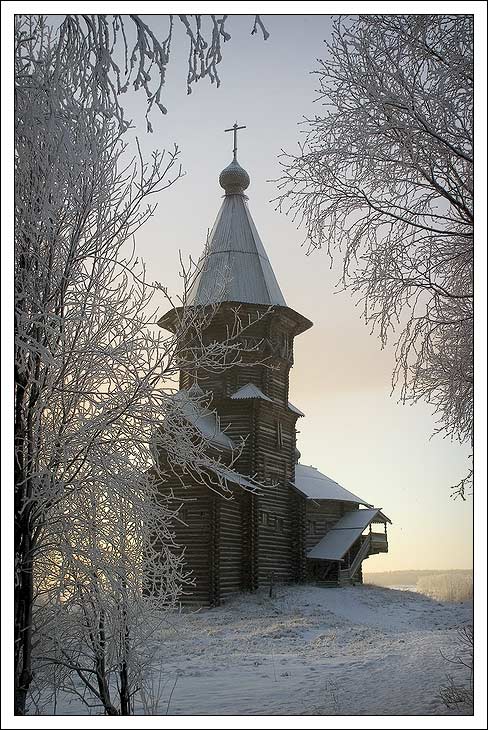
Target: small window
[
  {"x": 311, "y": 527},
  {"x": 271, "y": 521},
  {"x": 263, "y": 517},
  {"x": 267, "y": 469},
  {"x": 285, "y": 346},
  {"x": 279, "y": 434}
]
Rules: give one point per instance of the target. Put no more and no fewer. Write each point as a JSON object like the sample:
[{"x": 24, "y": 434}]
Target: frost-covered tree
[
  {"x": 93, "y": 378},
  {"x": 385, "y": 176}
]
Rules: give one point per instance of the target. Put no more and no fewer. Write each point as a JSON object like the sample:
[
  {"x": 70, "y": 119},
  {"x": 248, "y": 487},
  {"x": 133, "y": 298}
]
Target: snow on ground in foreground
[{"x": 310, "y": 650}]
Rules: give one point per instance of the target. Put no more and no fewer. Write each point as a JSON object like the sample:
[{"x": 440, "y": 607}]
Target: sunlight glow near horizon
[{"x": 354, "y": 431}]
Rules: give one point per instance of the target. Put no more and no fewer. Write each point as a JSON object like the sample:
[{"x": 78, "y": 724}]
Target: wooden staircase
[{"x": 346, "y": 575}]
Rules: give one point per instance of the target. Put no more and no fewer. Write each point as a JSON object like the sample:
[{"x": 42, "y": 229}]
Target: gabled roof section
[
  {"x": 249, "y": 391},
  {"x": 343, "y": 535},
  {"x": 235, "y": 266},
  {"x": 315, "y": 485},
  {"x": 295, "y": 409}
]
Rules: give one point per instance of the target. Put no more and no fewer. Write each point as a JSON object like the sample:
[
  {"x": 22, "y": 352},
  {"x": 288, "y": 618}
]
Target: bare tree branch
[{"x": 385, "y": 179}]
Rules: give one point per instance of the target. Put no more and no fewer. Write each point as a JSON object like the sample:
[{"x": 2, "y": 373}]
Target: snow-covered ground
[{"x": 309, "y": 650}]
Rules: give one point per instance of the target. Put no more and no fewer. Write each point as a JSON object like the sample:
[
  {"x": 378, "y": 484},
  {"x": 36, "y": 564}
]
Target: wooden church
[{"x": 303, "y": 526}]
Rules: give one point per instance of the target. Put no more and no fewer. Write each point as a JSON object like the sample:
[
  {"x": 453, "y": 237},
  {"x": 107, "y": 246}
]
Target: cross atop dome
[
  {"x": 234, "y": 179},
  {"x": 234, "y": 129}
]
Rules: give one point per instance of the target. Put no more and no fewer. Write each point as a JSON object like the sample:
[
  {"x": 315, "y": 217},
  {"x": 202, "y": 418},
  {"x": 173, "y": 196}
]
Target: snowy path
[{"x": 310, "y": 650}]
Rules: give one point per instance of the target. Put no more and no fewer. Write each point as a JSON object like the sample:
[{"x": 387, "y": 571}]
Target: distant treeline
[{"x": 409, "y": 577}]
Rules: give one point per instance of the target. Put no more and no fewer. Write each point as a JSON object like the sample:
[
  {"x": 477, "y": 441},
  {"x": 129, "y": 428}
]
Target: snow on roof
[
  {"x": 345, "y": 532},
  {"x": 295, "y": 409},
  {"x": 235, "y": 266},
  {"x": 204, "y": 420},
  {"x": 252, "y": 391},
  {"x": 249, "y": 391},
  {"x": 315, "y": 485},
  {"x": 232, "y": 476}
]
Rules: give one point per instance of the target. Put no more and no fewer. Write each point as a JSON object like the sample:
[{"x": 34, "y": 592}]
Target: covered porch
[{"x": 338, "y": 556}]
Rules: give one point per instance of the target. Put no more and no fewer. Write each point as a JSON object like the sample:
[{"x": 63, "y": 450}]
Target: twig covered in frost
[
  {"x": 385, "y": 175},
  {"x": 455, "y": 693},
  {"x": 102, "y": 39},
  {"x": 94, "y": 548}
]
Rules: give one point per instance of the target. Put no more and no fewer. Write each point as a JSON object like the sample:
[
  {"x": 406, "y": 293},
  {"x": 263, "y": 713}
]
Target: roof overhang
[
  {"x": 173, "y": 318},
  {"x": 338, "y": 540}
]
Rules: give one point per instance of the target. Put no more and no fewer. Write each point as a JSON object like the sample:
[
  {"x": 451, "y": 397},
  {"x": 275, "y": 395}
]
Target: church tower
[{"x": 251, "y": 399}]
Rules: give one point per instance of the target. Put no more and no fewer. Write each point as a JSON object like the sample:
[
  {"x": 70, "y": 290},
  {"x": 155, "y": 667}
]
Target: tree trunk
[
  {"x": 23, "y": 596},
  {"x": 124, "y": 669},
  {"x": 124, "y": 690},
  {"x": 23, "y": 585},
  {"x": 100, "y": 668}
]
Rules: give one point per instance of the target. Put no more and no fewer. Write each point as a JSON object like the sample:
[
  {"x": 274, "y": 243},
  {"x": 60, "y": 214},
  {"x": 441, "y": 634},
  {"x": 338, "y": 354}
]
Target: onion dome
[{"x": 234, "y": 179}]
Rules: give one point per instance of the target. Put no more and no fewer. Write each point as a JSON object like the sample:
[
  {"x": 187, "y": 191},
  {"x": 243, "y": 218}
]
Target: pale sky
[{"x": 353, "y": 430}]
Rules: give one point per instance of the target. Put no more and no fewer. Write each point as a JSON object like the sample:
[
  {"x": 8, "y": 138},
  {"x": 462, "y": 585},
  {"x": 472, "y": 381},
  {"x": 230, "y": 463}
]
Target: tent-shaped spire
[{"x": 235, "y": 266}]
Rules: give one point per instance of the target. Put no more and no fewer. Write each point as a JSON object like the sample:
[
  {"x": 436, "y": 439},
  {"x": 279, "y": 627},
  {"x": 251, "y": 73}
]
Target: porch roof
[{"x": 344, "y": 534}]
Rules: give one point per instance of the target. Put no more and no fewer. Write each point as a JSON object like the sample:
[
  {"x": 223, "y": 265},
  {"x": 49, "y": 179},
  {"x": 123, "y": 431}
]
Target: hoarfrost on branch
[
  {"x": 385, "y": 176},
  {"x": 94, "y": 378}
]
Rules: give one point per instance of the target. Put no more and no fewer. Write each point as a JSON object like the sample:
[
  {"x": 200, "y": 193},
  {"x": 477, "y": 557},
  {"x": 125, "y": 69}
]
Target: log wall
[
  {"x": 274, "y": 462},
  {"x": 194, "y": 535},
  {"x": 231, "y": 549}
]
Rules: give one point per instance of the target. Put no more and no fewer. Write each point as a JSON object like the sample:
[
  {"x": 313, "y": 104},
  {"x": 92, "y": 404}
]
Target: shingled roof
[{"x": 235, "y": 266}]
